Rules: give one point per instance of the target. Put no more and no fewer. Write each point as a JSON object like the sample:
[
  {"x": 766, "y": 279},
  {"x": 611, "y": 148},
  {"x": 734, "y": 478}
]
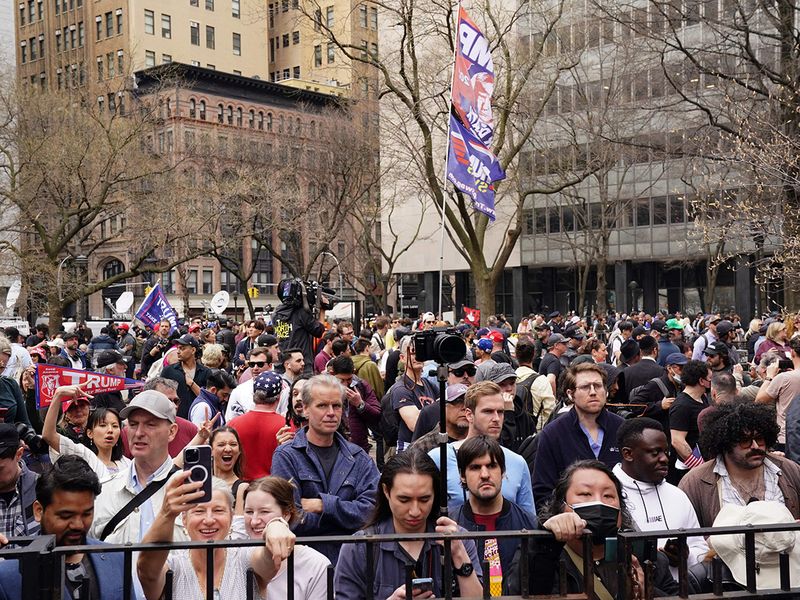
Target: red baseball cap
[
  {"x": 124, "y": 326},
  {"x": 496, "y": 336},
  {"x": 66, "y": 405}
]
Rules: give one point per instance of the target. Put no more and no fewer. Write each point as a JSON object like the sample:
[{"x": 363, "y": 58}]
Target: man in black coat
[{"x": 646, "y": 369}]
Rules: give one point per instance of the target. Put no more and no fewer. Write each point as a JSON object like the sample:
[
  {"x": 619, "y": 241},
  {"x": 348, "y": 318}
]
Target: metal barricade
[{"x": 41, "y": 564}]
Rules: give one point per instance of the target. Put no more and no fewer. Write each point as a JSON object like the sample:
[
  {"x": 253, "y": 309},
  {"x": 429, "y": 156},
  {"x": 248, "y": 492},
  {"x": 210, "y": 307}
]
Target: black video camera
[
  {"x": 440, "y": 344},
  {"x": 303, "y": 294},
  {"x": 33, "y": 440}
]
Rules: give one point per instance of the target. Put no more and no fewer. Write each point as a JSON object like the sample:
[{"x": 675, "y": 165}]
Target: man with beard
[
  {"x": 64, "y": 507},
  {"x": 482, "y": 466},
  {"x": 738, "y": 437}
]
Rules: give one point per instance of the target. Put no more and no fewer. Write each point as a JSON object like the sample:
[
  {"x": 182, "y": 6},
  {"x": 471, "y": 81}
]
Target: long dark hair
[
  {"x": 99, "y": 415},
  {"x": 412, "y": 461},
  {"x": 238, "y": 466},
  {"x": 559, "y": 498}
]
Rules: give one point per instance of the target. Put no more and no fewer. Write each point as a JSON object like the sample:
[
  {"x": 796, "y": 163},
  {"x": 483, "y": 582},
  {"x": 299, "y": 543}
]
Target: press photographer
[{"x": 300, "y": 316}]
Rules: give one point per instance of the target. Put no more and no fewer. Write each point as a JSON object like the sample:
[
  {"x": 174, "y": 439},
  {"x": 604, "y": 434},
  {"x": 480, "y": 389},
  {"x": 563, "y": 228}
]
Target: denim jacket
[{"x": 347, "y": 500}]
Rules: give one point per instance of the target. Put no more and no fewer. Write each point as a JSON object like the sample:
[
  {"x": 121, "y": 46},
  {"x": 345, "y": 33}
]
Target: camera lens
[
  {"x": 450, "y": 348},
  {"x": 192, "y": 454}
]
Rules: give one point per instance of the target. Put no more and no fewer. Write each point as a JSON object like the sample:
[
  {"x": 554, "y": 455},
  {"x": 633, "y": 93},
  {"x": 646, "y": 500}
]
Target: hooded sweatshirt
[{"x": 663, "y": 506}]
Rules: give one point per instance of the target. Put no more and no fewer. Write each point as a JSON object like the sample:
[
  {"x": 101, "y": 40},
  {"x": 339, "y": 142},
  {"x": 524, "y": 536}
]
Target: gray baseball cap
[
  {"x": 497, "y": 373},
  {"x": 156, "y": 403}
]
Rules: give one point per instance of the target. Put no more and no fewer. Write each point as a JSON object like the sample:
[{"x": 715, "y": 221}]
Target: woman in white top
[
  {"x": 209, "y": 521},
  {"x": 103, "y": 430},
  {"x": 271, "y": 498}
]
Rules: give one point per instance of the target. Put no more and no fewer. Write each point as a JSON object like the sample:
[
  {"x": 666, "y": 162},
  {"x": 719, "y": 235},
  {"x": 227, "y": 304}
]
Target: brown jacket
[{"x": 700, "y": 484}]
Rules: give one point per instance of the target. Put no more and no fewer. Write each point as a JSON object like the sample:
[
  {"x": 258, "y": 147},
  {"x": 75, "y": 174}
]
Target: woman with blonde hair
[
  {"x": 213, "y": 355},
  {"x": 777, "y": 339}
]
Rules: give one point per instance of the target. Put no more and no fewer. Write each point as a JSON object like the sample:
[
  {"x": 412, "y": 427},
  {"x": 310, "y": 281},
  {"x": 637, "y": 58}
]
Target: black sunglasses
[
  {"x": 462, "y": 370},
  {"x": 257, "y": 363}
]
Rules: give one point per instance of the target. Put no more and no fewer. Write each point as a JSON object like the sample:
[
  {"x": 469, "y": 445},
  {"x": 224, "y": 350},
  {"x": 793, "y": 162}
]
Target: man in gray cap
[
  {"x": 455, "y": 416},
  {"x": 151, "y": 427},
  {"x": 111, "y": 362},
  {"x": 17, "y": 487},
  {"x": 520, "y": 420}
]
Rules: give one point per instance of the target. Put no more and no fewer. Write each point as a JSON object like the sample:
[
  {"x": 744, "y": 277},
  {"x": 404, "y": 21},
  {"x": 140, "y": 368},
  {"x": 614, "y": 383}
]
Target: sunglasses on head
[
  {"x": 256, "y": 363},
  {"x": 461, "y": 371}
]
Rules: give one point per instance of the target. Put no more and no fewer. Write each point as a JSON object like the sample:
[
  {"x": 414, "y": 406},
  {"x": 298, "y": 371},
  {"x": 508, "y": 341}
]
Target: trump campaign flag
[
  {"x": 155, "y": 308},
  {"x": 49, "y": 377},
  {"x": 471, "y": 166}
]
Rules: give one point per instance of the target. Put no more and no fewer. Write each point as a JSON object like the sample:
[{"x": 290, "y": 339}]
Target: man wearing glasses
[
  {"x": 739, "y": 437},
  {"x": 462, "y": 374},
  {"x": 587, "y": 431},
  {"x": 241, "y": 400}
]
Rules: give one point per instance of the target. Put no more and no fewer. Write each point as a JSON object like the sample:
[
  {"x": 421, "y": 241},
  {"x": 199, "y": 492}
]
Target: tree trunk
[
  {"x": 250, "y": 308},
  {"x": 602, "y": 284},
  {"x": 55, "y": 308},
  {"x": 485, "y": 285},
  {"x": 711, "y": 286}
]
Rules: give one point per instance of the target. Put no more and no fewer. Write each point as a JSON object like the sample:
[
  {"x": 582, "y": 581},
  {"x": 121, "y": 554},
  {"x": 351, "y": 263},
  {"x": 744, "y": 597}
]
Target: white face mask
[{"x": 676, "y": 378}]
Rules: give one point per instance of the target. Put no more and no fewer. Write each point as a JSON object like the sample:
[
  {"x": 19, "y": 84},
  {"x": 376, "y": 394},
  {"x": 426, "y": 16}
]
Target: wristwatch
[{"x": 464, "y": 570}]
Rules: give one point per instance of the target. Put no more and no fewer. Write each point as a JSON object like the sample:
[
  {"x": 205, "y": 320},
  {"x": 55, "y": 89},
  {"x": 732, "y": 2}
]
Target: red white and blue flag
[
  {"x": 694, "y": 459},
  {"x": 472, "y": 168},
  {"x": 156, "y": 308}
]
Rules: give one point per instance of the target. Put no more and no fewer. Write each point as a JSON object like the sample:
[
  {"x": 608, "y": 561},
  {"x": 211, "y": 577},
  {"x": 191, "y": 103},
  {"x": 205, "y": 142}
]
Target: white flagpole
[{"x": 447, "y": 165}]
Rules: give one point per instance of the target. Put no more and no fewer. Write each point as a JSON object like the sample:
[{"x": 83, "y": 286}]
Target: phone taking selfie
[{"x": 197, "y": 460}]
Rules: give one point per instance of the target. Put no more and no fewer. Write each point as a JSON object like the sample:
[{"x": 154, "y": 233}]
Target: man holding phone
[{"x": 363, "y": 410}]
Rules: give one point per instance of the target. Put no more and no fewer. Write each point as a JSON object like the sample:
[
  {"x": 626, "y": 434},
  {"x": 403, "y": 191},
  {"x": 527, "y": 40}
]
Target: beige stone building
[{"x": 69, "y": 43}]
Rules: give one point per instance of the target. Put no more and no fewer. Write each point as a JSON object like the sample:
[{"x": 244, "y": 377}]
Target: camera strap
[{"x": 135, "y": 502}]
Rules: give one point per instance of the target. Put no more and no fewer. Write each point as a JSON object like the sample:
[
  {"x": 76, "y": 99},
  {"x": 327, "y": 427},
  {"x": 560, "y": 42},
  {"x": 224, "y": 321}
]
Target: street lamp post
[{"x": 80, "y": 263}]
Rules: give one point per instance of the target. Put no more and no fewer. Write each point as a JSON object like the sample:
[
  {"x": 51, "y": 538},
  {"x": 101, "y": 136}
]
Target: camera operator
[
  {"x": 17, "y": 487},
  {"x": 155, "y": 346},
  {"x": 294, "y": 321}
]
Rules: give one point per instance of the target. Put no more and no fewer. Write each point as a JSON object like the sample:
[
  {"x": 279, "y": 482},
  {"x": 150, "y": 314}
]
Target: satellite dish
[
  {"x": 124, "y": 302},
  {"x": 13, "y": 294},
  {"x": 220, "y": 302}
]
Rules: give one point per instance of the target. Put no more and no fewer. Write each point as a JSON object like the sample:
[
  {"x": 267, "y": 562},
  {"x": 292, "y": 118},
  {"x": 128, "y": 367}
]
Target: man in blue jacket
[
  {"x": 588, "y": 431},
  {"x": 64, "y": 507},
  {"x": 482, "y": 466},
  {"x": 336, "y": 482}
]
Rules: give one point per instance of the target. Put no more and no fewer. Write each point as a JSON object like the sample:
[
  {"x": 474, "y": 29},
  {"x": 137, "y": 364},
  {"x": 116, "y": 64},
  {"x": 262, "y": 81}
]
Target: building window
[
  {"x": 271, "y": 50},
  {"x": 101, "y": 101},
  {"x": 643, "y": 212},
  {"x": 331, "y": 53},
  {"x": 23, "y": 52},
  {"x": 251, "y": 121},
  {"x": 120, "y": 62},
  {"x": 81, "y": 35},
  {"x": 362, "y": 15},
  {"x": 374, "y": 50},
  {"x": 166, "y": 59},
  {"x": 209, "y": 37},
  {"x": 318, "y": 19},
  {"x": 269, "y": 121},
  {"x": 373, "y": 18},
  {"x": 119, "y": 22},
  {"x": 284, "y": 5},
  {"x": 194, "y": 2},
  {"x": 32, "y": 44},
  {"x": 202, "y": 110},
  {"x": 109, "y": 24},
  {"x": 188, "y": 141},
  {"x": 99, "y": 32},
  {"x": 230, "y": 115},
  {"x": 41, "y": 43},
  {"x": 192, "y": 108},
  {"x": 210, "y": 66},
  {"x": 208, "y": 281},
  {"x": 235, "y": 9},
  {"x": 39, "y": 13},
  {"x": 317, "y": 56},
  {"x": 149, "y": 58},
  {"x": 295, "y": 38},
  {"x": 149, "y": 22},
  {"x": 261, "y": 121},
  {"x": 285, "y": 40},
  {"x": 281, "y": 119},
  {"x": 58, "y": 41},
  {"x": 237, "y": 44},
  {"x": 296, "y": 72},
  {"x": 73, "y": 42},
  {"x": 220, "y": 113},
  {"x": 112, "y": 103},
  {"x": 239, "y": 117},
  {"x": 191, "y": 281},
  {"x": 194, "y": 29},
  {"x": 210, "y": 5},
  {"x": 31, "y": 11},
  {"x": 286, "y": 74},
  {"x": 166, "y": 26},
  {"x": 110, "y": 65},
  {"x": 329, "y": 17}
]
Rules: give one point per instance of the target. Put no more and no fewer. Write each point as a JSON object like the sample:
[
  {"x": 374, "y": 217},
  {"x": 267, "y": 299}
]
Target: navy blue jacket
[
  {"x": 347, "y": 499},
  {"x": 108, "y": 569},
  {"x": 511, "y": 517},
  {"x": 214, "y": 406},
  {"x": 562, "y": 442},
  {"x": 79, "y": 354}
]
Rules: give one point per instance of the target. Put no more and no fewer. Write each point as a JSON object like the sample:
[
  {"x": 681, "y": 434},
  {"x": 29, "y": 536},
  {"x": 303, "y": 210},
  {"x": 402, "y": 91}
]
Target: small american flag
[{"x": 694, "y": 459}]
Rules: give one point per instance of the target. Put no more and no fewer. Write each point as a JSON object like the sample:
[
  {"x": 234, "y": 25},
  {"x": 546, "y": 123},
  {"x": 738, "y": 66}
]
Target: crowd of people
[{"x": 618, "y": 422}]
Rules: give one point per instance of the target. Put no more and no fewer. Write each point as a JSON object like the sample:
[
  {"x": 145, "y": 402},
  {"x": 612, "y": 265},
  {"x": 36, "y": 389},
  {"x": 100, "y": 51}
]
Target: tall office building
[{"x": 70, "y": 43}]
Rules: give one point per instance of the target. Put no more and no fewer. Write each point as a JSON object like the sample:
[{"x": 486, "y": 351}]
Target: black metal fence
[{"x": 41, "y": 563}]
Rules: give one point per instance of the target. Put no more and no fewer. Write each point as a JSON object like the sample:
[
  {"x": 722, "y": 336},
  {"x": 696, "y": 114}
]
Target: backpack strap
[
  {"x": 661, "y": 385},
  {"x": 135, "y": 502}
]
